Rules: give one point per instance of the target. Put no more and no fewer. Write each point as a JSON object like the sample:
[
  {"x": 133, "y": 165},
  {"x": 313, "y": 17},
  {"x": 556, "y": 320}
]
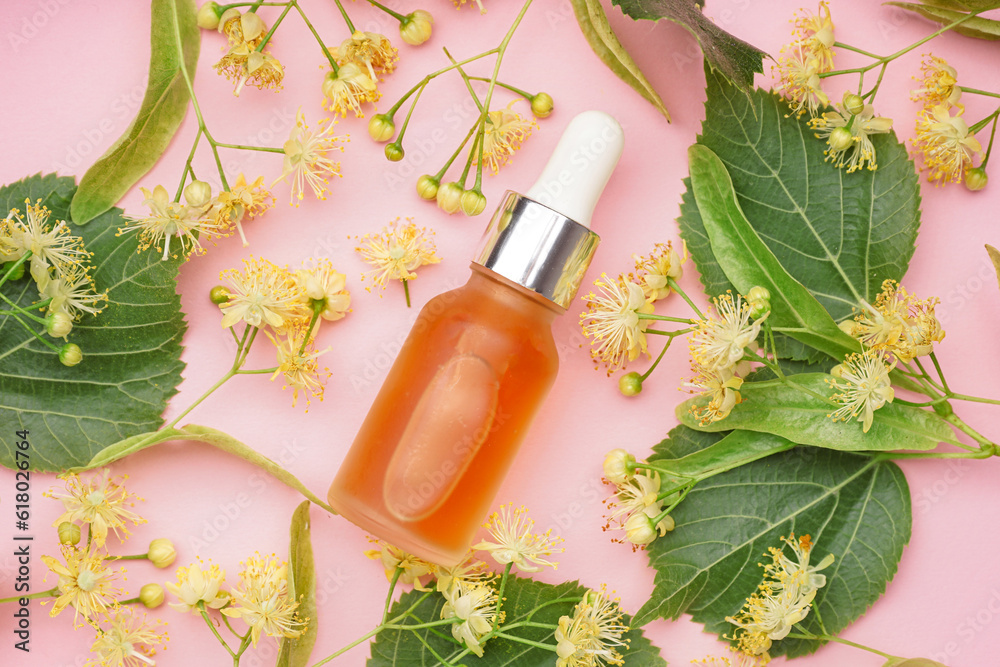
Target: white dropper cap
[{"x": 580, "y": 166}]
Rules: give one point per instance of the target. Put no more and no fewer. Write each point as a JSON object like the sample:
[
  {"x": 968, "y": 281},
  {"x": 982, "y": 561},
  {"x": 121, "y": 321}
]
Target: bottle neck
[{"x": 512, "y": 295}]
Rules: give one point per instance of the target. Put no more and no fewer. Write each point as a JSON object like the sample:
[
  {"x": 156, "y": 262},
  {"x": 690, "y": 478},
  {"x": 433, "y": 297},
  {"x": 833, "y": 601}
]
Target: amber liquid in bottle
[{"x": 445, "y": 427}]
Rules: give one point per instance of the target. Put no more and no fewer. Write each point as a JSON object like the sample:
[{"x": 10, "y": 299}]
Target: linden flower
[
  {"x": 411, "y": 569},
  {"x": 239, "y": 201},
  {"x": 299, "y": 366},
  {"x": 261, "y": 600},
  {"x": 736, "y": 658},
  {"x": 198, "y": 587},
  {"x": 503, "y": 134},
  {"x": 167, "y": 220},
  {"x": 396, "y": 252},
  {"x": 72, "y": 292},
  {"x": 325, "y": 288},
  {"x": 84, "y": 582},
  {"x": 635, "y": 505},
  {"x": 858, "y": 151},
  {"x": 50, "y": 246},
  {"x": 126, "y": 641},
  {"x": 263, "y": 293},
  {"x": 515, "y": 543},
  {"x": 470, "y": 573},
  {"x": 944, "y": 142},
  {"x": 815, "y": 35},
  {"x": 939, "y": 84},
  {"x": 461, "y": 3},
  {"x": 476, "y": 607},
  {"x": 371, "y": 49},
  {"x": 718, "y": 344},
  {"x": 612, "y": 322},
  {"x": 101, "y": 502},
  {"x": 866, "y": 387},
  {"x": 306, "y": 159},
  {"x": 242, "y": 28},
  {"x": 593, "y": 635},
  {"x": 348, "y": 88},
  {"x": 898, "y": 323},
  {"x": 799, "y": 570},
  {"x": 722, "y": 385},
  {"x": 661, "y": 266},
  {"x": 799, "y": 82},
  {"x": 243, "y": 65}
]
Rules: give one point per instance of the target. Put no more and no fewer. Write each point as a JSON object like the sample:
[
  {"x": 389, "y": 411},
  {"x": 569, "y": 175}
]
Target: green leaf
[
  {"x": 777, "y": 408},
  {"x": 131, "y": 351},
  {"x": 174, "y": 32},
  {"x": 855, "y": 507},
  {"x": 210, "y": 436},
  {"x": 603, "y": 40},
  {"x": 730, "y": 57},
  {"x": 747, "y": 262},
  {"x": 301, "y": 587},
  {"x": 978, "y": 27},
  {"x": 682, "y": 441},
  {"x": 840, "y": 235},
  {"x": 399, "y": 648},
  {"x": 733, "y": 450}
]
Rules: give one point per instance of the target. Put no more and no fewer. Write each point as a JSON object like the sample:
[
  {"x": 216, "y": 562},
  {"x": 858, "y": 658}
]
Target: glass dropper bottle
[{"x": 473, "y": 372}]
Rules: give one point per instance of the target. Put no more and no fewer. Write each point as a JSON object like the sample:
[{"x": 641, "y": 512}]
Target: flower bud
[
  {"x": 209, "y": 15},
  {"x": 70, "y": 354},
  {"x": 541, "y": 105},
  {"x": 759, "y": 309},
  {"x": 58, "y": 324},
  {"x": 976, "y": 179},
  {"x": 759, "y": 293},
  {"x": 381, "y": 128},
  {"x": 219, "y": 295},
  {"x": 151, "y": 596},
  {"x": 473, "y": 202},
  {"x": 639, "y": 529},
  {"x": 69, "y": 533},
  {"x": 197, "y": 194},
  {"x": 394, "y": 152},
  {"x": 853, "y": 104},
  {"x": 415, "y": 28},
  {"x": 427, "y": 187},
  {"x": 630, "y": 384},
  {"x": 161, "y": 552},
  {"x": 16, "y": 274},
  {"x": 619, "y": 466},
  {"x": 449, "y": 197},
  {"x": 840, "y": 139}
]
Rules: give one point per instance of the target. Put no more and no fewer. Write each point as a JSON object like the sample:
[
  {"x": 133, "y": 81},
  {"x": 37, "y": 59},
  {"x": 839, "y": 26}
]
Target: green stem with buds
[
  {"x": 319, "y": 40},
  {"x": 267, "y": 37}
]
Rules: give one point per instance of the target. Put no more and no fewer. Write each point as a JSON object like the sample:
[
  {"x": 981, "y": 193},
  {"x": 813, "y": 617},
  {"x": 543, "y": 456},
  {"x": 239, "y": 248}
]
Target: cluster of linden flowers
[
  {"x": 783, "y": 598},
  {"x": 614, "y": 322},
  {"x": 59, "y": 265},
  {"x": 591, "y": 635},
  {"x": 898, "y": 328},
  {"x": 641, "y": 504},
  {"x": 396, "y": 252},
  {"x": 260, "y": 599},
  {"x": 943, "y": 138},
  {"x": 288, "y": 306},
  {"x": 246, "y": 62},
  {"x": 89, "y": 585}
]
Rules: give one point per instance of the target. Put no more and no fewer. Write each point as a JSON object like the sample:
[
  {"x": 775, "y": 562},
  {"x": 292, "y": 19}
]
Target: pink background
[{"x": 74, "y": 72}]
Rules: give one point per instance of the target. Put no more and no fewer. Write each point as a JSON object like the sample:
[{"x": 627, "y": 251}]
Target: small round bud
[
  {"x": 219, "y": 295},
  {"x": 394, "y": 152},
  {"x": 70, "y": 354},
  {"x": 473, "y": 202},
  {"x": 69, "y": 533},
  {"x": 853, "y": 104},
  {"x": 197, "y": 194},
  {"x": 16, "y": 274},
  {"x": 449, "y": 197},
  {"x": 427, "y": 187},
  {"x": 639, "y": 529},
  {"x": 840, "y": 139},
  {"x": 161, "y": 552},
  {"x": 759, "y": 309},
  {"x": 630, "y": 384},
  {"x": 541, "y": 105},
  {"x": 619, "y": 466},
  {"x": 151, "y": 596},
  {"x": 58, "y": 324},
  {"x": 415, "y": 28},
  {"x": 381, "y": 128},
  {"x": 759, "y": 293},
  {"x": 209, "y": 15},
  {"x": 976, "y": 179}
]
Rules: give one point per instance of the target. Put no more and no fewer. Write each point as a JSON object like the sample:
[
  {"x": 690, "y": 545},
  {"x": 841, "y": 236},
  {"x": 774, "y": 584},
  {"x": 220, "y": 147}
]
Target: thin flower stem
[
  {"x": 267, "y": 37},
  {"x": 870, "y": 95},
  {"x": 388, "y": 597},
  {"x": 665, "y": 513},
  {"x": 985, "y": 444},
  {"x": 447, "y": 165},
  {"x": 923, "y": 404},
  {"x": 129, "y": 601},
  {"x": 225, "y": 619},
  {"x": 832, "y": 638},
  {"x": 942, "y": 387},
  {"x": 225, "y": 378},
  {"x": 319, "y": 40},
  {"x": 976, "y": 91},
  {"x": 396, "y": 15},
  {"x": 642, "y": 378},
  {"x": 187, "y": 165},
  {"x": 430, "y": 649},
  {"x": 974, "y": 454},
  {"x": 672, "y": 334},
  {"x": 406, "y": 291},
  {"x": 984, "y": 122},
  {"x": 21, "y": 311},
  {"x": 468, "y": 161},
  {"x": 522, "y": 640},
  {"x": 51, "y": 593},
  {"x": 664, "y": 318},
  {"x": 317, "y": 309},
  {"x": 433, "y": 75},
  {"x": 940, "y": 372},
  {"x": 989, "y": 147},
  {"x": 132, "y": 557},
  {"x": 677, "y": 288},
  {"x": 13, "y": 267},
  {"x": 409, "y": 112},
  {"x": 513, "y": 89},
  {"x": 257, "y": 371},
  {"x": 417, "y": 626},
  {"x": 208, "y": 621},
  {"x": 347, "y": 19},
  {"x": 539, "y": 608},
  {"x": 503, "y": 584},
  {"x": 532, "y": 624},
  {"x": 265, "y": 149},
  {"x": 32, "y": 331},
  {"x": 465, "y": 78},
  {"x": 848, "y": 47},
  {"x": 974, "y": 399}
]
